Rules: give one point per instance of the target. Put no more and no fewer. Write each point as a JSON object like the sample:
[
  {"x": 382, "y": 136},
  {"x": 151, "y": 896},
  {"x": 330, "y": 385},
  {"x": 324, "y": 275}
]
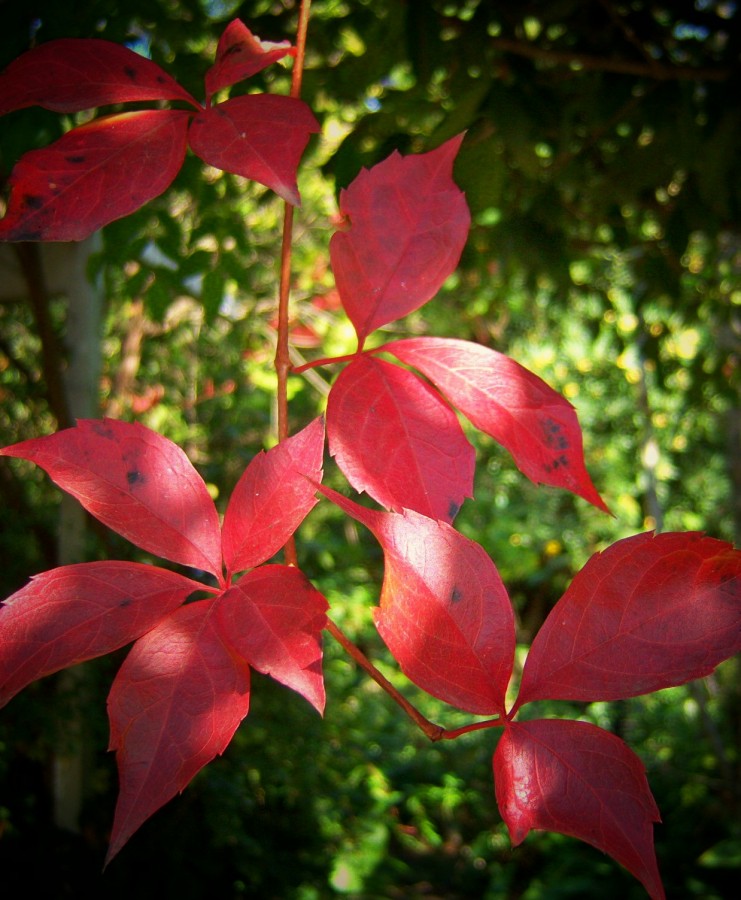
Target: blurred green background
[{"x": 602, "y": 169}]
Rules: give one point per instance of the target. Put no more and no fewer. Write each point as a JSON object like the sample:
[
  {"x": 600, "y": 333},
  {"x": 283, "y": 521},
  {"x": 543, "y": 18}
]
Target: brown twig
[{"x": 587, "y": 61}]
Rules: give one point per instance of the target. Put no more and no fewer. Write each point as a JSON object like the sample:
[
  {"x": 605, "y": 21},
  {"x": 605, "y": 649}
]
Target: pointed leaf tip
[
  {"x": 258, "y": 136},
  {"x": 275, "y": 493},
  {"x": 241, "y": 54}
]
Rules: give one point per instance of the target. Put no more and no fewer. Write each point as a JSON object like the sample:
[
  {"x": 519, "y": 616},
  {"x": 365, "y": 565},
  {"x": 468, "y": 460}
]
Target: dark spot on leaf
[
  {"x": 234, "y": 49},
  {"x": 103, "y": 430},
  {"x": 33, "y": 201},
  {"x": 130, "y": 71},
  {"x": 161, "y": 79},
  {"x": 560, "y": 462},
  {"x": 75, "y": 160},
  {"x": 456, "y": 595},
  {"x": 135, "y": 477},
  {"x": 124, "y": 603},
  {"x": 453, "y": 508}
]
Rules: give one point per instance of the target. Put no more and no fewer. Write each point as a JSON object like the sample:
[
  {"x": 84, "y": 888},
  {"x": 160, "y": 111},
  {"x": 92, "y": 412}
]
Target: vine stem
[
  {"x": 430, "y": 729},
  {"x": 283, "y": 367},
  {"x": 282, "y": 358}
]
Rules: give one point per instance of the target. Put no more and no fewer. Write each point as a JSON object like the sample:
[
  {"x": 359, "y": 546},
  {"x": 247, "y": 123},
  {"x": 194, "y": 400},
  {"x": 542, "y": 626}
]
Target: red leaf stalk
[{"x": 282, "y": 359}]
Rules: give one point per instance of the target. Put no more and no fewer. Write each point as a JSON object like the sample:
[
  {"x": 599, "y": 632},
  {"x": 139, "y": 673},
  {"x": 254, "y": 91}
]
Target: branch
[
  {"x": 656, "y": 71},
  {"x": 52, "y": 356}
]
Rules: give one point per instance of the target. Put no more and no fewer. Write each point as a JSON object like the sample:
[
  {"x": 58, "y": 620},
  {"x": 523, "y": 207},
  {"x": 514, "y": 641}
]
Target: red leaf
[
  {"x": 273, "y": 618},
  {"x": 241, "y": 54},
  {"x": 396, "y": 438},
  {"x": 408, "y": 225},
  {"x": 260, "y": 136},
  {"x": 67, "y": 615},
  {"x": 445, "y": 614},
  {"x": 94, "y": 174},
  {"x": 507, "y": 401},
  {"x": 648, "y": 613},
  {"x": 137, "y": 483},
  {"x": 576, "y": 779},
  {"x": 272, "y": 498},
  {"x": 175, "y": 705},
  {"x": 72, "y": 74}
]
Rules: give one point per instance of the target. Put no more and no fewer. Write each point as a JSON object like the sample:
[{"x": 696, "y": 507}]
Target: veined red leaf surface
[
  {"x": 576, "y": 779},
  {"x": 274, "y": 618},
  {"x": 444, "y": 614},
  {"x": 136, "y": 482},
  {"x": 67, "y": 615},
  {"x": 272, "y": 498},
  {"x": 408, "y": 225},
  {"x": 500, "y": 397},
  {"x": 175, "y": 705},
  {"x": 241, "y": 54},
  {"x": 94, "y": 174},
  {"x": 396, "y": 438},
  {"x": 72, "y": 74},
  {"x": 259, "y": 136},
  {"x": 650, "y": 612}
]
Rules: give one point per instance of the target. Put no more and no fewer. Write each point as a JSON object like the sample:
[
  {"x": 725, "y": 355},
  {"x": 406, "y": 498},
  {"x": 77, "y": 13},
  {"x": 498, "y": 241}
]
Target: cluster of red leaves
[
  {"x": 393, "y": 434},
  {"x": 113, "y": 165},
  {"x": 185, "y": 685},
  {"x": 648, "y": 613}
]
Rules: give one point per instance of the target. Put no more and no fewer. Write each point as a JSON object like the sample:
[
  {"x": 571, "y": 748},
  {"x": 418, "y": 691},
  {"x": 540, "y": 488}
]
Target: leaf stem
[
  {"x": 325, "y": 361},
  {"x": 282, "y": 359},
  {"x": 430, "y": 729}
]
